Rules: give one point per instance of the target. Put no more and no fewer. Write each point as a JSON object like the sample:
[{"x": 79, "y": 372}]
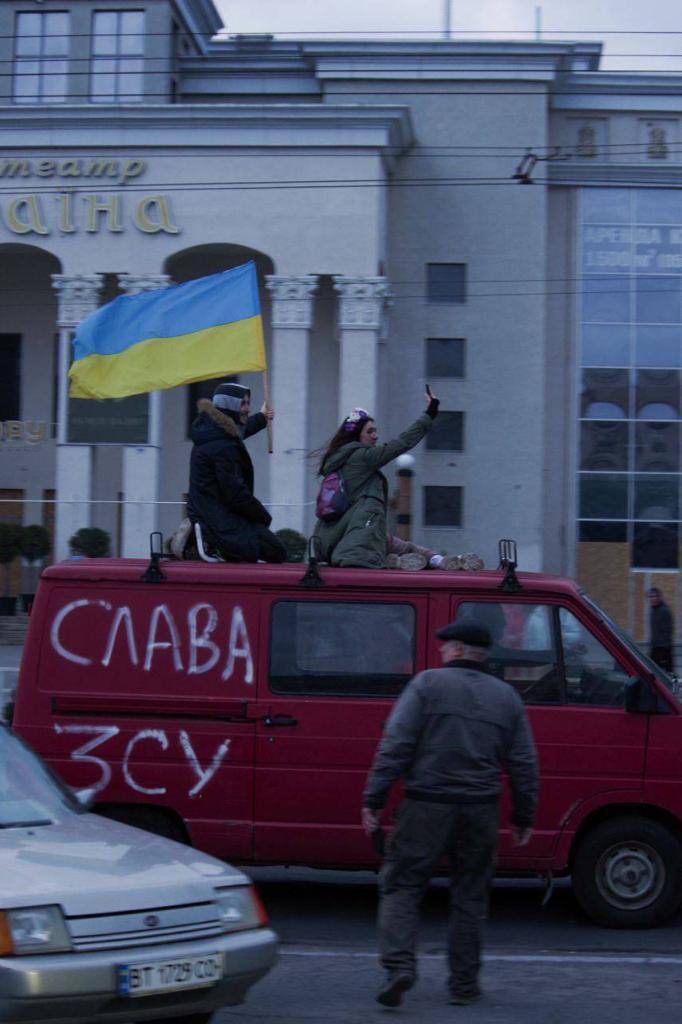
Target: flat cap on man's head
[{"x": 470, "y": 632}]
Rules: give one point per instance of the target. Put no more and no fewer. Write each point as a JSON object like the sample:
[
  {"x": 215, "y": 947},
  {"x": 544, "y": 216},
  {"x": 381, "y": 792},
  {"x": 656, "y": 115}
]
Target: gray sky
[{"x": 561, "y": 19}]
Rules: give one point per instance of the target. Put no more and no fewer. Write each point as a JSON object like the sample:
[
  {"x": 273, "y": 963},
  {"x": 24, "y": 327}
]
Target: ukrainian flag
[{"x": 159, "y": 339}]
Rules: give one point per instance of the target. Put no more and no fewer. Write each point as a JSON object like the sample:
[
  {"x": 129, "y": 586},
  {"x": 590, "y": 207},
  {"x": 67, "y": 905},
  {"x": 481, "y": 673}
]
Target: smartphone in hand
[{"x": 428, "y": 391}]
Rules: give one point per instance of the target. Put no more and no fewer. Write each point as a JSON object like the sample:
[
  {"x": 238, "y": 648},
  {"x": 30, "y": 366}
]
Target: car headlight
[
  {"x": 33, "y": 930},
  {"x": 239, "y": 907}
]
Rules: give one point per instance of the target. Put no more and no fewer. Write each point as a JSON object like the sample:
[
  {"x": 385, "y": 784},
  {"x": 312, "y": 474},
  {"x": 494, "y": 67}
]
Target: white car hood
[{"x": 88, "y": 864}]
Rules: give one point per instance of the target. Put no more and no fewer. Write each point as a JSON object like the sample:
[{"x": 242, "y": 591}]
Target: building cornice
[
  {"x": 386, "y": 129},
  {"x": 580, "y": 174},
  {"x": 619, "y": 91},
  {"x": 449, "y": 60},
  {"x": 202, "y": 20}
]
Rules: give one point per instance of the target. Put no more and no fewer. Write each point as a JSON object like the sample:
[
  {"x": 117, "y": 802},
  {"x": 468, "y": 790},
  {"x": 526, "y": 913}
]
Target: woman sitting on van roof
[{"x": 360, "y": 537}]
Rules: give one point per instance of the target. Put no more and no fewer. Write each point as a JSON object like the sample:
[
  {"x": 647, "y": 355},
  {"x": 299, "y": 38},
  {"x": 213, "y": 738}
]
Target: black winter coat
[
  {"x": 221, "y": 483},
  {"x": 661, "y": 623}
]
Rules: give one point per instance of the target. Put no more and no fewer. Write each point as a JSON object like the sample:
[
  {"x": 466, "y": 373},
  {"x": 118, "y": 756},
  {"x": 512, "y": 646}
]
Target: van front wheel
[{"x": 628, "y": 873}]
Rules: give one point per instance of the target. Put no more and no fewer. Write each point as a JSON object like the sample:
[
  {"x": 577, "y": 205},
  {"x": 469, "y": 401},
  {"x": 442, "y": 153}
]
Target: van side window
[
  {"x": 593, "y": 676},
  {"x": 524, "y": 652},
  {"x": 341, "y": 648}
]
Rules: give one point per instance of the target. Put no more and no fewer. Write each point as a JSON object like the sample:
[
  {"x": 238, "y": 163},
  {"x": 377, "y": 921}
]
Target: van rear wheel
[{"x": 628, "y": 873}]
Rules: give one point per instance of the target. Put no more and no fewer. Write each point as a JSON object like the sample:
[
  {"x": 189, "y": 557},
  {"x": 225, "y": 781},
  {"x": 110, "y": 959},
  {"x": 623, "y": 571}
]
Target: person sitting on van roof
[
  {"x": 221, "y": 494},
  {"x": 360, "y": 537}
]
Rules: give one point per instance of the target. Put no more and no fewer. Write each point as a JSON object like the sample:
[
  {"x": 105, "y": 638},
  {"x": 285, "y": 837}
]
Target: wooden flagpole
[{"x": 266, "y": 397}]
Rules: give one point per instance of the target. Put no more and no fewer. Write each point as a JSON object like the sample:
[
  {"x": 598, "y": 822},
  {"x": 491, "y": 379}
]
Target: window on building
[
  {"x": 41, "y": 53},
  {"x": 524, "y": 648},
  {"x": 630, "y": 450},
  {"x": 446, "y": 282},
  {"x": 445, "y": 357},
  {"x": 447, "y": 433},
  {"x": 442, "y": 506},
  {"x": 117, "y": 56},
  {"x": 342, "y": 648},
  {"x": 203, "y": 389},
  {"x": 10, "y": 376}
]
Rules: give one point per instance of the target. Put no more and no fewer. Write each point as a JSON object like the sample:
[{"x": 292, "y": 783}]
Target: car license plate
[{"x": 152, "y": 976}]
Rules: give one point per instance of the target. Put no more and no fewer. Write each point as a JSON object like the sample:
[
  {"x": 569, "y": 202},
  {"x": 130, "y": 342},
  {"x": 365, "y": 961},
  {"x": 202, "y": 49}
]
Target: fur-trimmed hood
[{"x": 225, "y": 423}]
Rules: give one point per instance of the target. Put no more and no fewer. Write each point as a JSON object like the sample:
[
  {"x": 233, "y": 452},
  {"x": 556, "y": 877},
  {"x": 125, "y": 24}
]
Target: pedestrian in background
[
  {"x": 660, "y": 631},
  {"x": 449, "y": 735}
]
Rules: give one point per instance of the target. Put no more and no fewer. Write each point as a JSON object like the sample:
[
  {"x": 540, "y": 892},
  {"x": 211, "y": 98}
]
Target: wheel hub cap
[{"x": 630, "y": 876}]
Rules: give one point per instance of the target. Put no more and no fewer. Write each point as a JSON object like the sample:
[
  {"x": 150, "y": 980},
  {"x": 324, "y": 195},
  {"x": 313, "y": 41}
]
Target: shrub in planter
[
  {"x": 9, "y": 549},
  {"x": 295, "y": 543},
  {"x": 90, "y": 542},
  {"x": 35, "y": 544}
]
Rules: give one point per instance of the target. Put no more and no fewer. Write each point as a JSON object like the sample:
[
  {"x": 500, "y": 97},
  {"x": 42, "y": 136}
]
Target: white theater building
[{"x": 372, "y": 184}]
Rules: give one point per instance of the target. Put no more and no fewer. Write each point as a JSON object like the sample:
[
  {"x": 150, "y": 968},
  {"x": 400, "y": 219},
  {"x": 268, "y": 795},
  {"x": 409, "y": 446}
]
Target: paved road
[{"x": 543, "y": 965}]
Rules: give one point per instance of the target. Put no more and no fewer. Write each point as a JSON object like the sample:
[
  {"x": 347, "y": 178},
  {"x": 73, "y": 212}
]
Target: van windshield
[{"x": 671, "y": 684}]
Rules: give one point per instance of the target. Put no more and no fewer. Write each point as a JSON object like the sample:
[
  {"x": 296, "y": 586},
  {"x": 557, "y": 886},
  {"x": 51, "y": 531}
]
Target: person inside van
[
  {"x": 233, "y": 521},
  {"x": 360, "y": 536}
]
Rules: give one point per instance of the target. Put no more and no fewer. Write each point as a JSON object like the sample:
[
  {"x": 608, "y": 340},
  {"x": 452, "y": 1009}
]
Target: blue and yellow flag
[{"x": 194, "y": 331}]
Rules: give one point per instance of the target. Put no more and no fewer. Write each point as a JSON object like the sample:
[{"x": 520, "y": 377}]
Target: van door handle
[{"x": 279, "y": 720}]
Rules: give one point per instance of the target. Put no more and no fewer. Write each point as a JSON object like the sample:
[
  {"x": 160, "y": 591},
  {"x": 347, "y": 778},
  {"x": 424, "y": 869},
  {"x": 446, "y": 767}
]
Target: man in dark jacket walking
[
  {"x": 221, "y": 494},
  {"x": 661, "y": 631},
  {"x": 449, "y": 735}
]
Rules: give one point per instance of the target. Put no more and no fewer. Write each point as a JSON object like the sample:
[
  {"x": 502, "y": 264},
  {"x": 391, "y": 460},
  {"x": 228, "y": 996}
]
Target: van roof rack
[
  {"x": 508, "y": 560},
  {"x": 152, "y": 573},
  {"x": 311, "y": 578}
]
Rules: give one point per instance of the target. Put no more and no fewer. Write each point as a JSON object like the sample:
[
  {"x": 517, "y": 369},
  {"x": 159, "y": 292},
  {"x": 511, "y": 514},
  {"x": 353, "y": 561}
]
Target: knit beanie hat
[{"x": 229, "y": 396}]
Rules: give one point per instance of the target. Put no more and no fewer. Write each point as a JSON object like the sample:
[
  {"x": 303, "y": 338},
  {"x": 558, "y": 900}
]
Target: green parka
[{"x": 360, "y": 537}]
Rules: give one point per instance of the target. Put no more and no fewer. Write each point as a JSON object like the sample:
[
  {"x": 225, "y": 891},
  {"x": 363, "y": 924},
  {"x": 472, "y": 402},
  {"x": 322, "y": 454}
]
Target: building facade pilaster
[
  {"x": 78, "y": 297},
  {"x": 363, "y": 302},
  {"x": 291, "y": 321},
  {"x": 142, "y": 463}
]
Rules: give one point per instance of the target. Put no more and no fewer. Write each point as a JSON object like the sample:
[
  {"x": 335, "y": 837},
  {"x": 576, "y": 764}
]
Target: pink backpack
[{"x": 332, "y": 499}]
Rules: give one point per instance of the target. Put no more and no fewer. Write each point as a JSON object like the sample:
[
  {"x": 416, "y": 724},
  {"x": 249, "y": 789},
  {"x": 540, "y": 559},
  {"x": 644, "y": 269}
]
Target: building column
[
  {"x": 141, "y": 463},
  {"x": 78, "y": 296},
  {"x": 362, "y": 303},
  {"x": 292, "y": 318}
]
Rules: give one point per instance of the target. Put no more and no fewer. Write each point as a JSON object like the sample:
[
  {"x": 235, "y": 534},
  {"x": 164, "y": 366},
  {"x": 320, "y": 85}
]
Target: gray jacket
[{"x": 450, "y": 734}]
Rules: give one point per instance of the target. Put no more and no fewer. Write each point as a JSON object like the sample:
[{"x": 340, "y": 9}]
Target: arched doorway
[{"x": 28, "y": 390}]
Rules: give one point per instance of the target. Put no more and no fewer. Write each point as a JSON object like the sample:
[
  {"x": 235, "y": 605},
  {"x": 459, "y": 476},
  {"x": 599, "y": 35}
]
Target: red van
[{"x": 238, "y": 707}]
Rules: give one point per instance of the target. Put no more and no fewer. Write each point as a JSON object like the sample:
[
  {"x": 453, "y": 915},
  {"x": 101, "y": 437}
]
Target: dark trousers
[
  {"x": 425, "y": 832},
  {"x": 270, "y": 547},
  {"x": 663, "y": 656}
]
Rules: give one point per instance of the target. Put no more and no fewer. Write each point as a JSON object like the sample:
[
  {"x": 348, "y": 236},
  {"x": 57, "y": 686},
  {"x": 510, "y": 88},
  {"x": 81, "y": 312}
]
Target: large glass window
[
  {"x": 547, "y": 654},
  {"x": 523, "y": 652},
  {"x": 41, "y": 52},
  {"x": 341, "y": 648},
  {"x": 117, "y": 56},
  {"x": 593, "y": 676},
  {"x": 630, "y": 381}
]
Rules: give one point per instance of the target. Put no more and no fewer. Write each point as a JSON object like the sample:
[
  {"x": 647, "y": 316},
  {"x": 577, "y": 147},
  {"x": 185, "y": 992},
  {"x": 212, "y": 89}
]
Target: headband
[{"x": 356, "y": 416}]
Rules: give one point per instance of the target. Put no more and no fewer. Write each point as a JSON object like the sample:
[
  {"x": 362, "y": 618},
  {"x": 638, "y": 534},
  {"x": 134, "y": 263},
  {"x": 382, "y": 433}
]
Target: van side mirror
[{"x": 642, "y": 699}]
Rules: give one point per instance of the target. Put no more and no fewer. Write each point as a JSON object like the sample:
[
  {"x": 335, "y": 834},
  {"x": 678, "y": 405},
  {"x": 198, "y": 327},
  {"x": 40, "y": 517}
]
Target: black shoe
[
  {"x": 391, "y": 993},
  {"x": 465, "y": 998}
]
